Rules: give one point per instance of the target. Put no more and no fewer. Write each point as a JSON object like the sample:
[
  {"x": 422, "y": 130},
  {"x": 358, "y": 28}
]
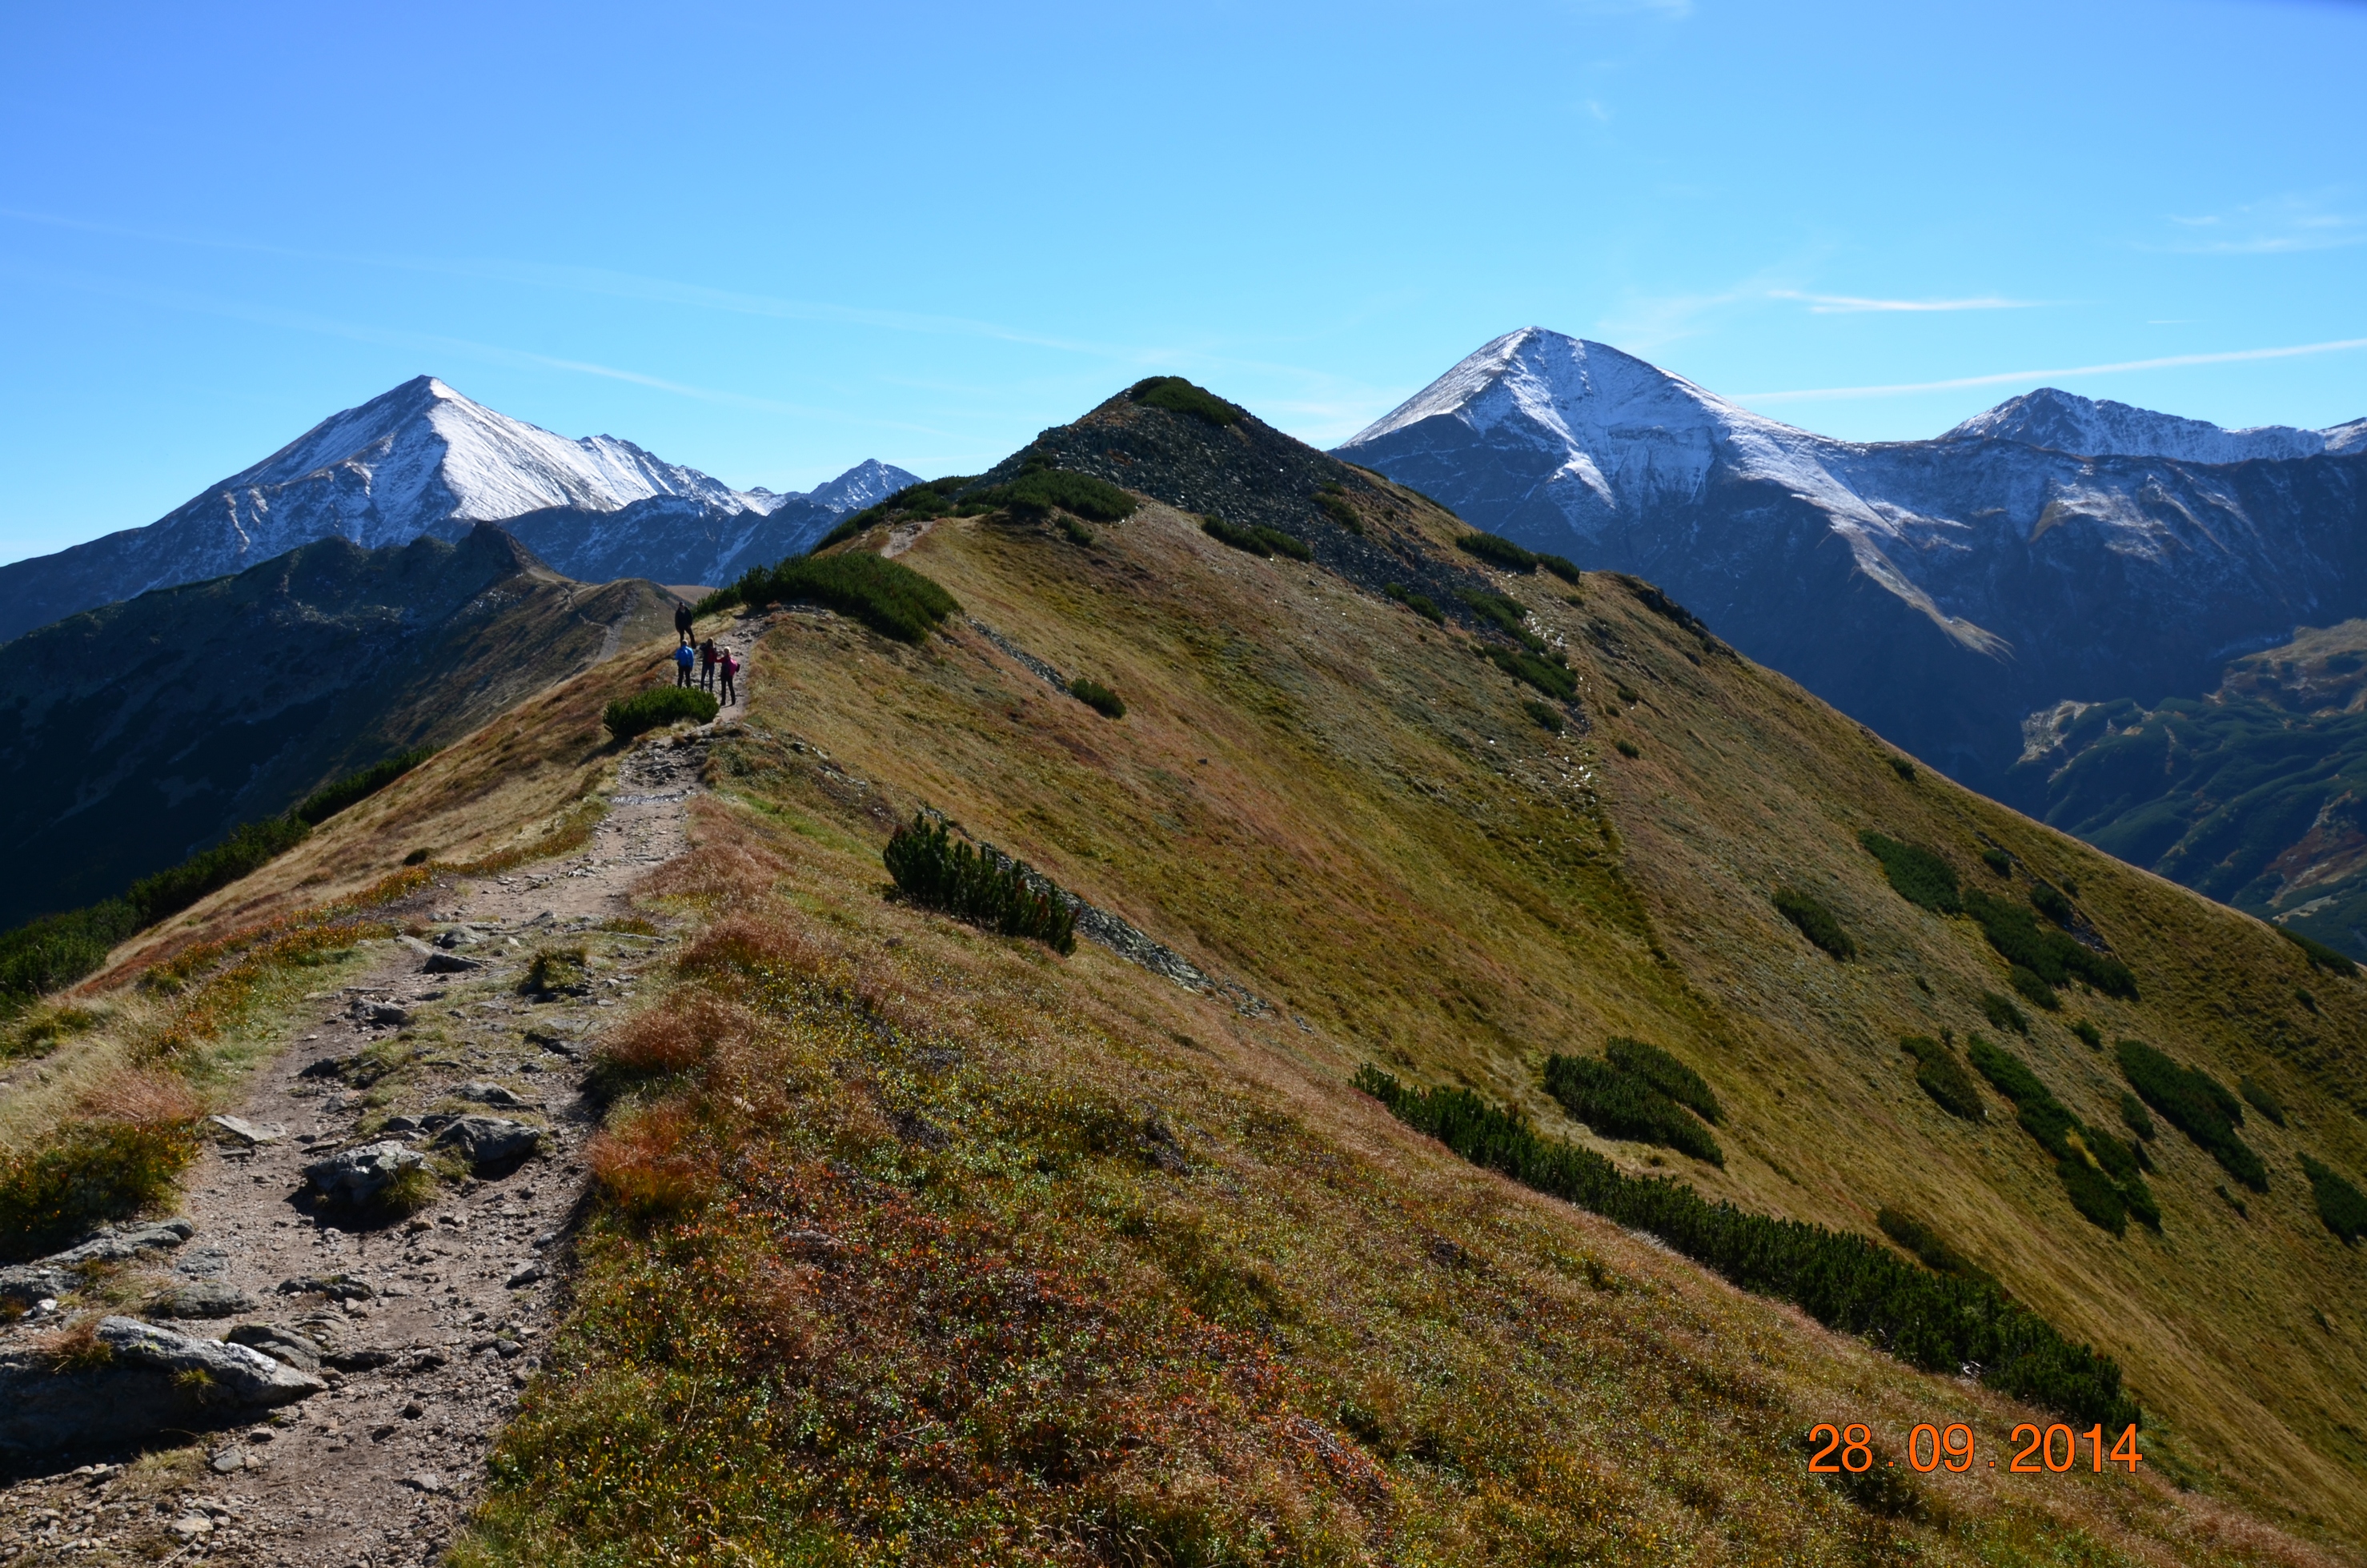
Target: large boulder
[
  {"x": 489, "y": 1143},
  {"x": 358, "y": 1174},
  {"x": 60, "y": 1272},
  {"x": 133, "y": 1380}
]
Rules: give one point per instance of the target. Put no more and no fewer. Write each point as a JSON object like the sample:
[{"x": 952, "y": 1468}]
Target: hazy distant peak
[{"x": 2090, "y": 427}]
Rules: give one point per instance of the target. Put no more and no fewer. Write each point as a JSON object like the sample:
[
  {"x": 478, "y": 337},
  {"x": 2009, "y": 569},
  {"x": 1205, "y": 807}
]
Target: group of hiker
[{"x": 715, "y": 664}]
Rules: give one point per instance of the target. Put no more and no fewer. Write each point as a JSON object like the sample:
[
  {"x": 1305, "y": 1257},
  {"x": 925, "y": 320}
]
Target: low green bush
[
  {"x": 1506, "y": 614},
  {"x": 1619, "y": 1104},
  {"x": 1420, "y": 603},
  {"x": 1815, "y": 922},
  {"x": 2197, "y": 1105},
  {"x": 1563, "y": 568},
  {"x": 1903, "y": 768},
  {"x": 1176, "y": 395},
  {"x": 887, "y": 596},
  {"x": 331, "y": 798},
  {"x": 250, "y": 846},
  {"x": 1098, "y": 698},
  {"x": 1039, "y": 492},
  {"x": 1077, "y": 532},
  {"x": 1665, "y": 1073},
  {"x": 1552, "y": 680},
  {"x": 2106, "y": 1191},
  {"x": 2048, "y": 900},
  {"x": 933, "y": 870},
  {"x": 1941, "y": 1076},
  {"x": 657, "y": 707},
  {"x": 1497, "y": 551},
  {"x": 2341, "y": 1205},
  {"x": 1851, "y": 1284},
  {"x": 2132, "y": 1113},
  {"x": 2014, "y": 931},
  {"x": 1627, "y": 748},
  {"x": 1336, "y": 508},
  {"x": 1545, "y": 715},
  {"x": 2255, "y": 1095},
  {"x": 2318, "y": 953},
  {"x": 1627, "y": 694},
  {"x": 89, "y": 1174},
  {"x": 2090, "y": 1036},
  {"x": 1997, "y": 861},
  {"x": 2035, "y": 991},
  {"x": 1920, "y": 877},
  {"x": 1255, "y": 541},
  {"x": 1926, "y": 1243}
]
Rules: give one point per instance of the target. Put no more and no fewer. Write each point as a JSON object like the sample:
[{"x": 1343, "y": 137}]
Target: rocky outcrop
[
  {"x": 130, "y": 1380},
  {"x": 26, "y": 1284}
]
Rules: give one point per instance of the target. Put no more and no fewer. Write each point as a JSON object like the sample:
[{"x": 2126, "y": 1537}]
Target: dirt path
[{"x": 428, "y": 1326}]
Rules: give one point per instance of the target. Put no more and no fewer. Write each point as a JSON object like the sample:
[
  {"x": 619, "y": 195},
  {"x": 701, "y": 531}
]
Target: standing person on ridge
[
  {"x": 682, "y": 623},
  {"x": 681, "y": 657},
  {"x": 728, "y": 667}
]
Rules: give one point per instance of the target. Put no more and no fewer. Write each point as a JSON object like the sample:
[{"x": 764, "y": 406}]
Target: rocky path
[{"x": 422, "y": 1330}]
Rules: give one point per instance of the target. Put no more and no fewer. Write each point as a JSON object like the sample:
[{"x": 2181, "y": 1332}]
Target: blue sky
[{"x": 771, "y": 241}]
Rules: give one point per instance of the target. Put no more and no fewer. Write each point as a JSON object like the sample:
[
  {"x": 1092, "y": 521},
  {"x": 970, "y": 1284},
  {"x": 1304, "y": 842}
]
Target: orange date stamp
[{"x": 1850, "y": 1449}]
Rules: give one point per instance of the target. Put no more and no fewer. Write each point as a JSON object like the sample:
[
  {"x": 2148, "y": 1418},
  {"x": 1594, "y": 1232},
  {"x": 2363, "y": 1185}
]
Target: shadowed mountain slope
[
  {"x": 133, "y": 734},
  {"x": 907, "y": 1232},
  {"x": 1940, "y": 590}
]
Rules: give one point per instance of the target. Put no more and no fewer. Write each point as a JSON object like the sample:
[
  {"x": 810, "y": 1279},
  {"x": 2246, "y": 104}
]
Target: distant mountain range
[
  {"x": 2053, "y": 548},
  {"x": 422, "y": 461},
  {"x": 133, "y": 734}
]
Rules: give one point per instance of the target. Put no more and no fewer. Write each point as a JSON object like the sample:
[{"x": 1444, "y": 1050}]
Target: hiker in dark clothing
[
  {"x": 727, "y": 667},
  {"x": 682, "y": 658},
  {"x": 707, "y": 665},
  {"x": 682, "y": 623}
]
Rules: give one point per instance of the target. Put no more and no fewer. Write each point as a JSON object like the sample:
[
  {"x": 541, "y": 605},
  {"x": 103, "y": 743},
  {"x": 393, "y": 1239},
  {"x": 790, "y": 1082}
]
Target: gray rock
[
  {"x": 336, "y": 1287},
  {"x": 493, "y": 1094},
  {"x": 249, "y": 1133},
  {"x": 415, "y": 945},
  {"x": 201, "y": 1298},
  {"x": 382, "y": 1014},
  {"x": 152, "y": 1381},
  {"x": 487, "y": 1142},
  {"x": 282, "y": 1344},
  {"x": 448, "y": 963},
  {"x": 358, "y": 1175},
  {"x": 424, "y": 1481},
  {"x": 202, "y": 1262},
  {"x": 530, "y": 1274},
  {"x": 26, "y": 1284},
  {"x": 461, "y": 936}
]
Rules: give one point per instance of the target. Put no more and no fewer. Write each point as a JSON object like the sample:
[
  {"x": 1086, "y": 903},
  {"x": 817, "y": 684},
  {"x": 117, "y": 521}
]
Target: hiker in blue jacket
[{"x": 682, "y": 659}]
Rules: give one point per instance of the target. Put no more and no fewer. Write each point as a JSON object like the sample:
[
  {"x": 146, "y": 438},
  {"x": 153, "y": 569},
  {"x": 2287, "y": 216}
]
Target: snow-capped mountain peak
[{"x": 2090, "y": 427}]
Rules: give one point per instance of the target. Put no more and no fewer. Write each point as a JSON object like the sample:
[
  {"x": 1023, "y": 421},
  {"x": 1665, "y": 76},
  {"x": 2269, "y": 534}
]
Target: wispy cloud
[
  {"x": 2277, "y": 225},
  {"x": 1852, "y": 304},
  {"x": 2007, "y": 377}
]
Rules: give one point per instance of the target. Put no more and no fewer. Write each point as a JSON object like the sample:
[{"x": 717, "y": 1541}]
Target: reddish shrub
[
  {"x": 654, "y": 1165},
  {"x": 751, "y": 946}
]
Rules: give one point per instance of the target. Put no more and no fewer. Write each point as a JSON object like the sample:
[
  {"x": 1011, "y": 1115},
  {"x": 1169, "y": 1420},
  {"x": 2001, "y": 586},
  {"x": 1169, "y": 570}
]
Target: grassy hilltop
[{"x": 914, "y": 1241}]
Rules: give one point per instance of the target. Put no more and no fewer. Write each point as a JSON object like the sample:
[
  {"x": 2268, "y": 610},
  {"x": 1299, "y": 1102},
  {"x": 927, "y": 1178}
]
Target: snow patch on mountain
[{"x": 2089, "y": 428}]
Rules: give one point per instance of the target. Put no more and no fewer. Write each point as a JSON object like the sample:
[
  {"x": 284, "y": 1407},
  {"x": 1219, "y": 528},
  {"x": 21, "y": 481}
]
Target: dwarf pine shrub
[
  {"x": 1420, "y": 603},
  {"x": 2049, "y": 901},
  {"x": 1941, "y": 1076},
  {"x": 1552, "y": 680},
  {"x": 655, "y": 708},
  {"x": 2197, "y": 1105},
  {"x": 2255, "y": 1095},
  {"x": 1815, "y": 922},
  {"x": 933, "y": 870},
  {"x": 331, "y": 798},
  {"x": 1663, "y": 1072},
  {"x": 1851, "y": 1284},
  {"x": 1925, "y": 1243},
  {"x": 1619, "y": 1104},
  {"x": 1918, "y": 875},
  {"x": 1039, "y": 492},
  {"x": 1545, "y": 715},
  {"x": 1497, "y": 551},
  {"x": 2105, "y": 1196},
  {"x": 1176, "y": 395},
  {"x": 1503, "y": 613},
  {"x": 1335, "y": 506},
  {"x": 2327, "y": 958},
  {"x": 1266, "y": 542},
  {"x": 2341, "y": 1205},
  {"x": 2090, "y": 1036},
  {"x": 1563, "y": 568},
  {"x": 1098, "y": 698},
  {"x": 887, "y": 596},
  {"x": 2014, "y": 931},
  {"x": 1903, "y": 768},
  {"x": 2035, "y": 991},
  {"x": 1997, "y": 861},
  {"x": 1076, "y": 532},
  {"x": 2132, "y": 1113},
  {"x": 1627, "y": 748}
]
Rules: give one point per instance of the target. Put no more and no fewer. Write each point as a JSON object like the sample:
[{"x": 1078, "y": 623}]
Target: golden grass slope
[{"x": 920, "y": 1244}]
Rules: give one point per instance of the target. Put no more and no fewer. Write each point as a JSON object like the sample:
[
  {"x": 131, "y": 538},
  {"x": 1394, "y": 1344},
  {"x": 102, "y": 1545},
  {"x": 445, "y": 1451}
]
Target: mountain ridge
[
  {"x": 1995, "y": 576},
  {"x": 420, "y": 459}
]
